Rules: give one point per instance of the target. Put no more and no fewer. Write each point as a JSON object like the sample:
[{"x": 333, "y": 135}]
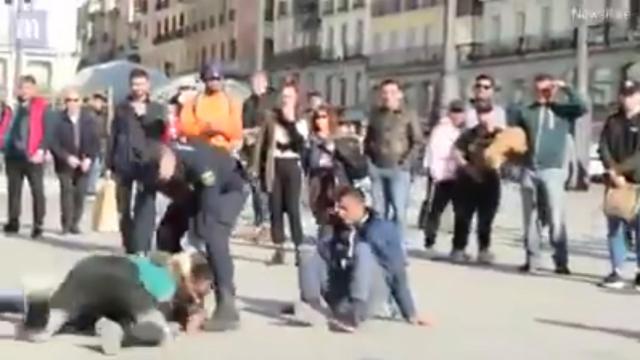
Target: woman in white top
[{"x": 278, "y": 154}]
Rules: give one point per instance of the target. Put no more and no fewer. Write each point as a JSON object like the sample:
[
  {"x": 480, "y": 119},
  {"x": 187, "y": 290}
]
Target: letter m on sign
[{"x": 31, "y": 29}]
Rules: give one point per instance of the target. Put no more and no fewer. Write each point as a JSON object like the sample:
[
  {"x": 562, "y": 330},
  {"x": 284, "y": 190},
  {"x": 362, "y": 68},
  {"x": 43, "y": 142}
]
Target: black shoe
[
  {"x": 562, "y": 270},
  {"x": 75, "y": 230},
  {"x": 36, "y": 233},
  {"x": 613, "y": 281},
  {"x": 226, "y": 316},
  {"x": 528, "y": 269},
  {"x": 277, "y": 258},
  {"x": 11, "y": 228},
  {"x": 636, "y": 282}
]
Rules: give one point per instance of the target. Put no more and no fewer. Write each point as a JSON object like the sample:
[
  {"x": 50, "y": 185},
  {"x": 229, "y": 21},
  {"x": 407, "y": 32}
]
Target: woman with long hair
[
  {"x": 325, "y": 171},
  {"x": 278, "y": 158}
]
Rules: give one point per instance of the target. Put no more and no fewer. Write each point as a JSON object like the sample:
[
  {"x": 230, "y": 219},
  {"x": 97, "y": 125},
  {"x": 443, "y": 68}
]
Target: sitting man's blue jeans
[
  {"x": 551, "y": 183},
  {"x": 390, "y": 192},
  {"x": 364, "y": 282},
  {"x": 94, "y": 175},
  {"x": 617, "y": 233}
]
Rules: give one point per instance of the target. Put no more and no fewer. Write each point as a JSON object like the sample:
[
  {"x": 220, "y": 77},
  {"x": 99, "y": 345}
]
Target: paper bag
[
  {"x": 512, "y": 141},
  {"x": 105, "y": 210},
  {"x": 622, "y": 202}
]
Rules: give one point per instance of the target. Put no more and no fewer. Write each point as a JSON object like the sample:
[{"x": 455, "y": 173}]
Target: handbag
[
  {"x": 105, "y": 210},
  {"x": 622, "y": 202}
]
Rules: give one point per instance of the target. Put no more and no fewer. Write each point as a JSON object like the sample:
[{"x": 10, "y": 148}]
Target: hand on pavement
[{"x": 421, "y": 321}]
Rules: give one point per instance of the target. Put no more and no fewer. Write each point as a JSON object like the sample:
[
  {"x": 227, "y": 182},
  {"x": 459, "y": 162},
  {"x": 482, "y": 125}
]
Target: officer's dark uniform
[{"x": 207, "y": 188}]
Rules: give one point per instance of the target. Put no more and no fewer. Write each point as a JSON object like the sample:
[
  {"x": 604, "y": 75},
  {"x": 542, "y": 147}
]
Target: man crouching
[
  {"x": 355, "y": 270},
  {"x": 123, "y": 298}
]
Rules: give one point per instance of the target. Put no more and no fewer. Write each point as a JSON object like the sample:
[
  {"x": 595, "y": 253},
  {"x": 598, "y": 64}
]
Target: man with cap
[
  {"x": 206, "y": 185},
  {"x": 620, "y": 154},
  {"x": 442, "y": 168},
  {"x": 214, "y": 115},
  {"x": 98, "y": 104}
]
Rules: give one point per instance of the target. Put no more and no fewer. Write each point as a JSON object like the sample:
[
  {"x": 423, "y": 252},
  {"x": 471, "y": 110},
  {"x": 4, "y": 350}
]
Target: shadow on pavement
[
  {"x": 249, "y": 259},
  {"x": 269, "y": 308},
  {"x": 73, "y": 245},
  {"x": 629, "y": 334}
]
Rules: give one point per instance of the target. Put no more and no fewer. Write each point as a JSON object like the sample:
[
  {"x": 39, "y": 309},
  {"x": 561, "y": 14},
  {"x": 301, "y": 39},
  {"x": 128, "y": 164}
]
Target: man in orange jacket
[{"x": 213, "y": 115}]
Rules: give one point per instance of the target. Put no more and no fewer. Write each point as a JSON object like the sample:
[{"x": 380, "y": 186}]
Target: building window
[
  {"x": 344, "y": 5},
  {"x": 181, "y": 21},
  {"x": 232, "y": 50},
  {"x": 521, "y": 19},
  {"x": 212, "y": 21},
  {"x": 496, "y": 28},
  {"x": 311, "y": 81},
  {"x": 330, "y": 36},
  {"x": 223, "y": 54},
  {"x": 166, "y": 25},
  {"x": 213, "y": 52},
  {"x": 426, "y": 35},
  {"x": 344, "y": 31},
  {"x": 203, "y": 25},
  {"x": 411, "y": 37},
  {"x": 328, "y": 89},
  {"x": 232, "y": 15},
  {"x": 393, "y": 40},
  {"x": 221, "y": 19},
  {"x": 377, "y": 43},
  {"x": 357, "y": 86},
  {"x": 360, "y": 37},
  {"x": 282, "y": 8},
  {"x": 343, "y": 92},
  {"x": 203, "y": 56},
  {"x": 546, "y": 21},
  {"x": 174, "y": 24},
  {"x": 158, "y": 29},
  {"x": 413, "y": 5}
]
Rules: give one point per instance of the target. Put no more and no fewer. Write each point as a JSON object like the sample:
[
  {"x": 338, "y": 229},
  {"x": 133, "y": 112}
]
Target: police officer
[{"x": 207, "y": 188}]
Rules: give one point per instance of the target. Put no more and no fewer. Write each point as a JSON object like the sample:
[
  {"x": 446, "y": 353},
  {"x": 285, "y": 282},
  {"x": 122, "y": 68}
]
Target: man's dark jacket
[
  {"x": 620, "y": 145},
  {"x": 62, "y": 141}
]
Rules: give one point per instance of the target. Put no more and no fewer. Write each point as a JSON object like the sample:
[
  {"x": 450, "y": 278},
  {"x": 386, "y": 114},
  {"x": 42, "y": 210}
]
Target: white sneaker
[
  {"x": 111, "y": 336},
  {"x": 459, "y": 256},
  {"x": 485, "y": 257}
]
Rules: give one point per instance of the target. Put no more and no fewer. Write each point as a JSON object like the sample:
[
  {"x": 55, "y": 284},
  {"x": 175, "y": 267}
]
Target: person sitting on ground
[
  {"x": 355, "y": 269},
  {"x": 129, "y": 308}
]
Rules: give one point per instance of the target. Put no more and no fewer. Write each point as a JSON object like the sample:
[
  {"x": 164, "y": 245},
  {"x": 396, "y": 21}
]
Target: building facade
[
  {"x": 51, "y": 59},
  {"x": 177, "y": 36}
]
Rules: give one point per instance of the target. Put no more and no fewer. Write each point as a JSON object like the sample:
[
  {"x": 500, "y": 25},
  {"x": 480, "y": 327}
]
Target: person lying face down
[{"x": 121, "y": 298}]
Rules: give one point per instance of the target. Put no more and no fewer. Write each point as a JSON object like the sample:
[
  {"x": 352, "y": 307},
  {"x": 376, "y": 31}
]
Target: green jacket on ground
[{"x": 547, "y": 127}]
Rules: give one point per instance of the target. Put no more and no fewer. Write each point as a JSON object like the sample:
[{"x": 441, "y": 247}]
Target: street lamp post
[
  {"x": 450, "y": 86},
  {"x": 17, "y": 66}
]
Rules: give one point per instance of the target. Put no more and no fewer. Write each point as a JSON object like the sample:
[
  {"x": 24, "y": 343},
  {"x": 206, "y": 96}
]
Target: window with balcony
[
  {"x": 221, "y": 19},
  {"x": 411, "y": 37},
  {"x": 393, "y": 40},
  {"x": 328, "y": 89},
  {"x": 181, "y": 21},
  {"x": 328, "y": 7},
  {"x": 213, "y": 52},
  {"x": 203, "y": 56},
  {"x": 232, "y": 15},
  {"x": 330, "y": 37},
  {"x": 343, "y": 5},
  {"x": 521, "y": 23},
  {"x": 282, "y": 8},
  {"x": 343, "y": 92},
  {"x": 203, "y": 25},
  {"x": 377, "y": 43},
  {"x": 174, "y": 24},
  {"x": 359, "y": 4},
  {"x": 223, "y": 52},
  {"x": 344, "y": 38},
  {"x": 496, "y": 28},
  {"x": 546, "y": 22},
  {"x": 232, "y": 49},
  {"x": 360, "y": 37},
  {"x": 212, "y": 21},
  {"x": 158, "y": 29},
  {"x": 356, "y": 87},
  {"x": 426, "y": 36},
  {"x": 166, "y": 26},
  {"x": 412, "y": 5}
]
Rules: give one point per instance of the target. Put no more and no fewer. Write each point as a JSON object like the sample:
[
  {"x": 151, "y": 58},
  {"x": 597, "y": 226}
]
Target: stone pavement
[{"x": 479, "y": 313}]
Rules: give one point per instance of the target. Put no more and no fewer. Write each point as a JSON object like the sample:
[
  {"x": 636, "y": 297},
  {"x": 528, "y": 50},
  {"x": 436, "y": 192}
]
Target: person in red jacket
[{"x": 23, "y": 140}]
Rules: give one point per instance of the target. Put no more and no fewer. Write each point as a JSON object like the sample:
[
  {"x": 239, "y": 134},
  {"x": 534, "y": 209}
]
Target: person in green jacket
[{"x": 547, "y": 123}]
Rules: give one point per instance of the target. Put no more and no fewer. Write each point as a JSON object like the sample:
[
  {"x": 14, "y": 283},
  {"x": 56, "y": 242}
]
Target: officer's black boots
[
  {"x": 278, "y": 256},
  {"x": 226, "y": 316}
]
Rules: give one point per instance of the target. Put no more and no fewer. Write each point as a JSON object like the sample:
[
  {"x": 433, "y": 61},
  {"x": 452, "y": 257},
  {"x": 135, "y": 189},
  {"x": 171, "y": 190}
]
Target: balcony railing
[
  {"x": 174, "y": 35},
  {"x": 359, "y": 4},
  {"x": 328, "y": 7},
  {"x": 296, "y": 57},
  {"x": 407, "y": 56},
  {"x": 343, "y": 6},
  {"x": 385, "y": 7}
]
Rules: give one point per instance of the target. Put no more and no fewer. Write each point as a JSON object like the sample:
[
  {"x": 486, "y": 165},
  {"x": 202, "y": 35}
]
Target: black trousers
[
  {"x": 137, "y": 227},
  {"x": 471, "y": 198},
  {"x": 73, "y": 190},
  {"x": 17, "y": 170},
  {"x": 285, "y": 199},
  {"x": 443, "y": 194}
]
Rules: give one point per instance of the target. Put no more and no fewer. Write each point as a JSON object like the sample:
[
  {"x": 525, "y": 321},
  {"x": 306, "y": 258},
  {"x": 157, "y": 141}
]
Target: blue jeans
[
  {"x": 260, "y": 203},
  {"x": 550, "y": 184},
  {"x": 390, "y": 192},
  {"x": 94, "y": 175},
  {"x": 365, "y": 282},
  {"x": 617, "y": 241}
]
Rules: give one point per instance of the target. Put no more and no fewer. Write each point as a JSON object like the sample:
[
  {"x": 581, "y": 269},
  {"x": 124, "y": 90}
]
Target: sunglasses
[
  {"x": 483, "y": 86},
  {"x": 71, "y": 100}
]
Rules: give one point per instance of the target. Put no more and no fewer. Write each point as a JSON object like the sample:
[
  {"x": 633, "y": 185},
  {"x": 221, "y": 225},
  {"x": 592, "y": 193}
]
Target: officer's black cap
[{"x": 629, "y": 87}]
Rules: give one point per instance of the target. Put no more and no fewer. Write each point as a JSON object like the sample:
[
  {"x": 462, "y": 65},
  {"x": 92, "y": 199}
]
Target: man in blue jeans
[
  {"x": 547, "y": 123},
  {"x": 355, "y": 270},
  {"x": 620, "y": 154},
  {"x": 392, "y": 142}
]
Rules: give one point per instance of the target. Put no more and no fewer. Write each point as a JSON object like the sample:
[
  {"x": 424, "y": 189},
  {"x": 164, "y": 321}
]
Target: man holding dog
[{"x": 620, "y": 154}]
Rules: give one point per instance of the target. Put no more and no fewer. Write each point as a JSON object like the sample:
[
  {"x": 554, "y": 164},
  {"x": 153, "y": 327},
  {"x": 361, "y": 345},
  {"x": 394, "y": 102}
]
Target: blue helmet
[{"x": 210, "y": 71}]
